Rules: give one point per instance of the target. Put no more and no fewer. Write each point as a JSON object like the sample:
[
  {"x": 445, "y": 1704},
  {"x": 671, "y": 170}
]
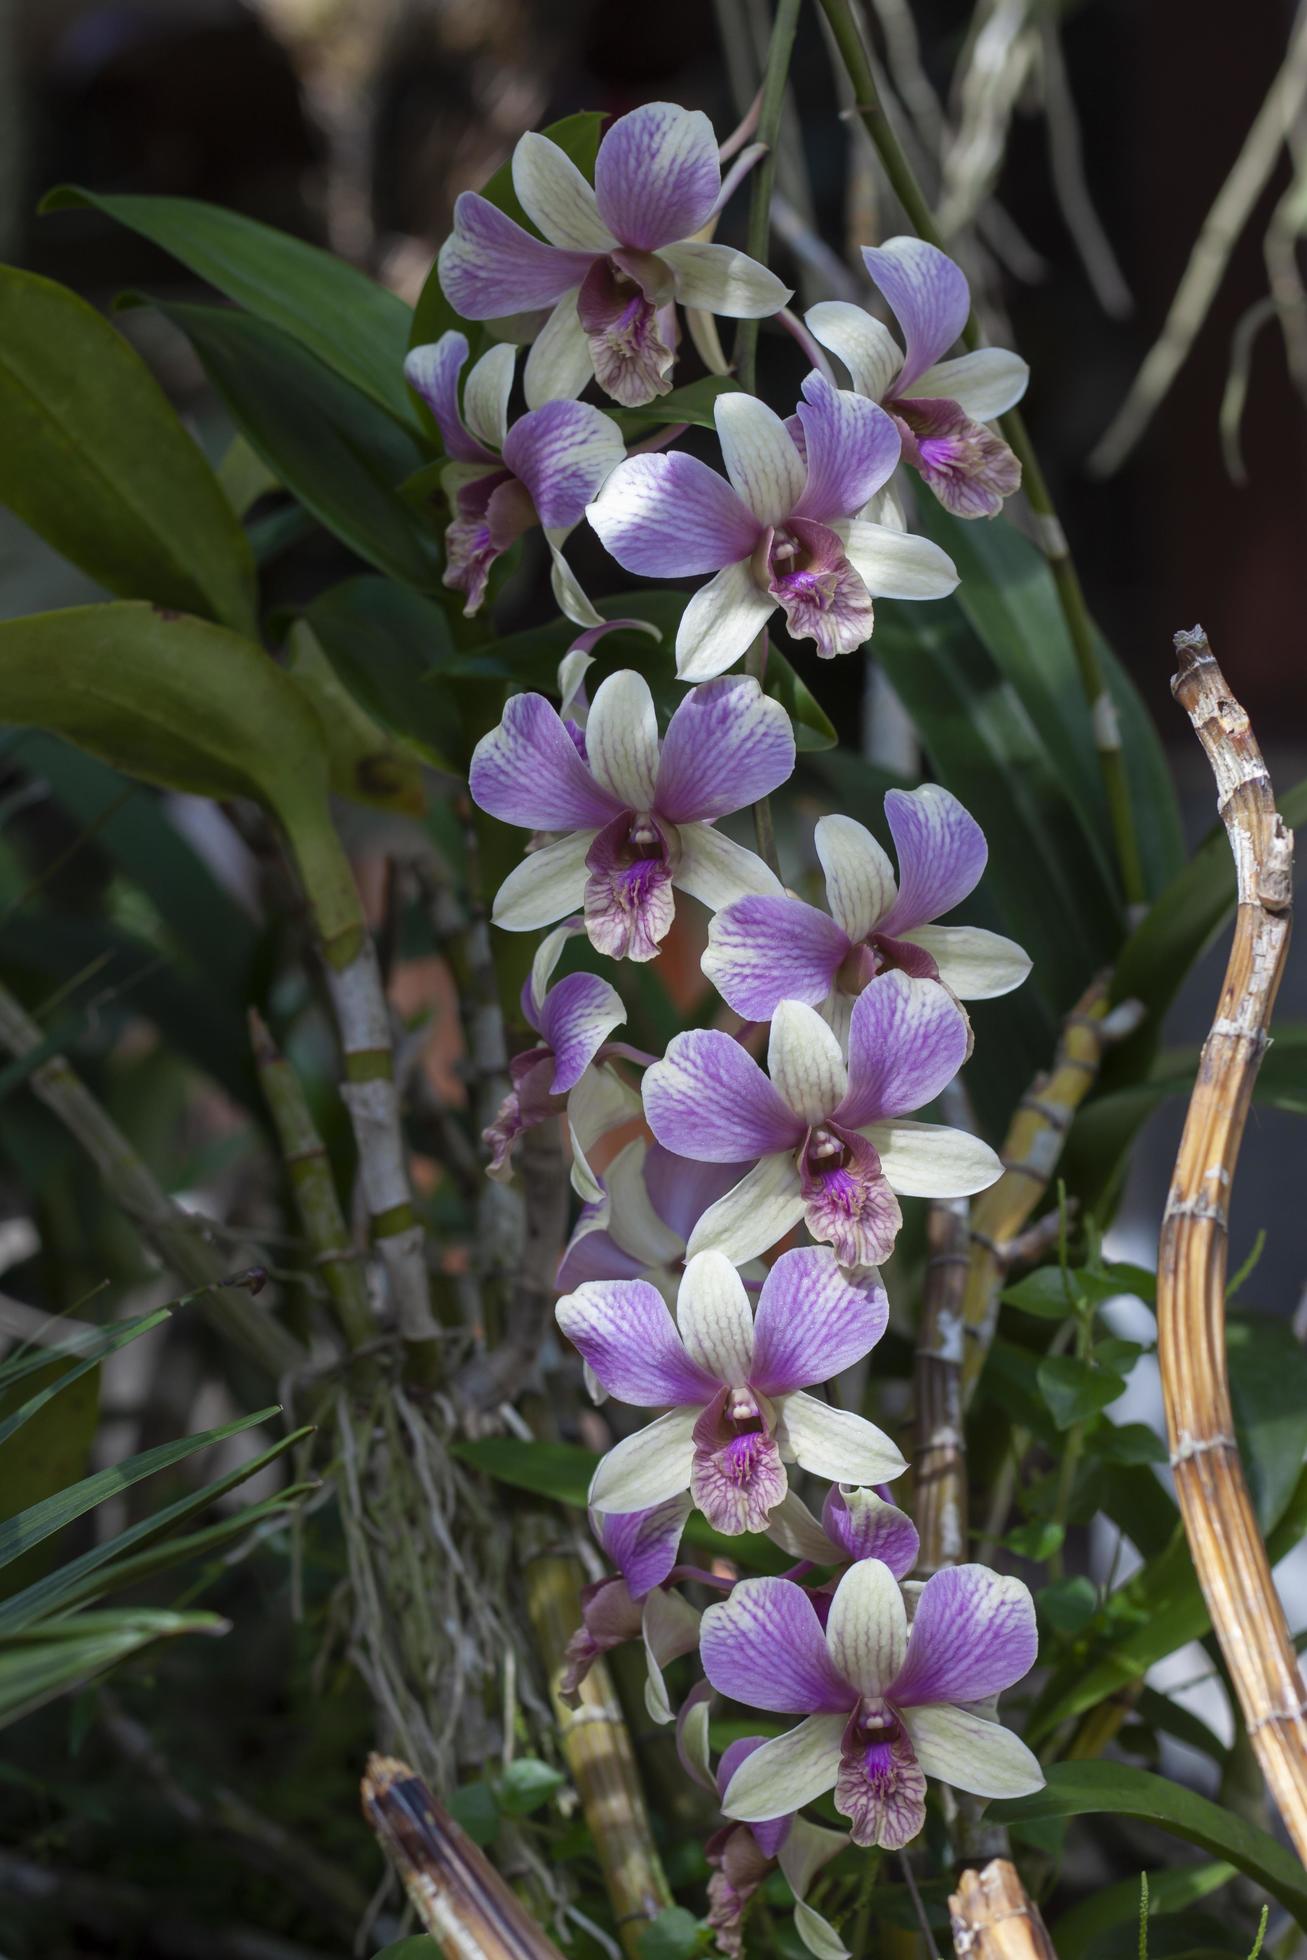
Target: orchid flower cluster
[{"x": 725, "y": 1265}]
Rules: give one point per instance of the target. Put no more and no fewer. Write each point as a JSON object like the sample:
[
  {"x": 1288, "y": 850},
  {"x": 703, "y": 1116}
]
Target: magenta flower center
[
  {"x": 849, "y": 1205},
  {"x": 879, "y": 953}
]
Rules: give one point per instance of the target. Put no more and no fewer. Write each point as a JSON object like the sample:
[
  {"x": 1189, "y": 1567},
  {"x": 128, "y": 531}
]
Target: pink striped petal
[
  {"x": 941, "y": 851},
  {"x": 579, "y": 1015},
  {"x": 907, "y": 1040},
  {"x": 625, "y": 1330},
  {"x": 681, "y": 1190},
  {"x": 762, "y": 951},
  {"x": 865, "y": 1525},
  {"x": 563, "y": 452},
  {"x": 489, "y": 267},
  {"x": 709, "y": 1100},
  {"x": 973, "y": 1635},
  {"x": 929, "y": 297},
  {"x": 852, "y": 447},
  {"x": 727, "y": 744},
  {"x": 813, "y": 1321},
  {"x": 527, "y": 772},
  {"x": 764, "y": 1646},
  {"x": 657, "y": 175},
  {"x": 643, "y": 1544},
  {"x": 669, "y": 516}
]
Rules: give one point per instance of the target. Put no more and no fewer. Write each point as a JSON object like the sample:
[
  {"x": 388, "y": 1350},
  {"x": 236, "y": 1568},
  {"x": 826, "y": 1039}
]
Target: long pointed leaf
[
  {"x": 115, "y": 1338},
  {"x": 60, "y": 1660}
]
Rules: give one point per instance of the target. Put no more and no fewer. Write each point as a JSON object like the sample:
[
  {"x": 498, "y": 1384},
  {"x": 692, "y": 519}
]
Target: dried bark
[
  {"x": 991, "y": 1918},
  {"x": 939, "y": 1469}
]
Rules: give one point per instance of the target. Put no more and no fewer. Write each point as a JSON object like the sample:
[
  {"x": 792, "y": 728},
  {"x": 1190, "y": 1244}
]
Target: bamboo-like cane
[
  {"x": 939, "y": 1470},
  {"x": 991, "y": 1917},
  {"x": 597, "y": 1745},
  {"x": 1226, "y": 1544},
  {"x": 456, "y": 1892}
]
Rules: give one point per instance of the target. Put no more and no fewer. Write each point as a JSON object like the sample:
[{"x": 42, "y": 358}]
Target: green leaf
[
  {"x": 1129, "y": 1442},
  {"x": 333, "y": 448},
  {"x": 476, "y": 1807},
  {"x": 113, "y": 1338},
  {"x": 528, "y": 1783},
  {"x": 93, "y": 457},
  {"x": 88, "y": 1343},
  {"x": 1068, "y": 1604},
  {"x": 1075, "y": 1390},
  {"x": 1109, "y": 1906},
  {"x": 48, "y": 1451},
  {"x": 418, "y": 1946},
  {"x": 354, "y": 326},
  {"x": 62, "y": 1658},
  {"x": 1081, "y": 1789},
  {"x": 1038, "y": 1540},
  {"x": 387, "y": 645},
  {"x": 694, "y": 403},
  {"x": 1051, "y": 1294},
  {"x": 366, "y": 763},
  {"x": 675, "y": 1935},
  {"x": 1268, "y": 1387}
]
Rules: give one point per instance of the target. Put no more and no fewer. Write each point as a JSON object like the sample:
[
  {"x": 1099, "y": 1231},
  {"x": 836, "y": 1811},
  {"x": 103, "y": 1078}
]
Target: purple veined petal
[
  {"x": 762, "y": 951},
  {"x": 624, "y": 1329},
  {"x": 579, "y": 1015},
  {"x": 907, "y": 1040},
  {"x": 764, "y": 1646},
  {"x": 708, "y": 1099},
  {"x": 527, "y": 772},
  {"x": 681, "y": 1190},
  {"x": 929, "y": 298},
  {"x": 625, "y": 310},
  {"x": 721, "y": 622},
  {"x": 813, "y": 1321},
  {"x": 592, "y": 1253},
  {"x": 823, "y": 591},
  {"x": 621, "y": 739},
  {"x": 509, "y": 512},
  {"x": 563, "y": 452},
  {"x": 973, "y": 1635},
  {"x": 643, "y": 1544},
  {"x": 726, "y": 745},
  {"x": 669, "y": 516},
  {"x": 556, "y": 197},
  {"x": 657, "y": 175},
  {"x": 760, "y": 457},
  {"x": 737, "y": 1478},
  {"x": 867, "y": 1627},
  {"x": 852, "y": 447},
  {"x": 559, "y": 365},
  {"x": 433, "y": 371},
  {"x": 719, "y": 279},
  {"x": 629, "y": 901},
  {"x": 941, "y": 851},
  {"x": 863, "y": 1525},
  {"x": 968, "y": 466},
  {"x": 490, "y": 267},
  {"x": 788, "y": 1771}
]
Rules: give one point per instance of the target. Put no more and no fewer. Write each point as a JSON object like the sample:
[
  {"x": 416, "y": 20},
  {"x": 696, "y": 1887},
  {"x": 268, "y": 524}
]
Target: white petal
[
  {"x": 547, "y": 955},
  {"x": 804, "y": 1061},
  {"x": 834, "y": 1443},
  {"x": 867, "y": 1629},
  {"x": 793, "y": 1527},
  {"x": 548, "y": 884},
  {"x": 817, "y": 1934},
  {"x": 761, "y": 458},
  {"x": 898, "y": 564},
  {"x": 868, "y": 350},
  {"x": 707, "y": 341},
  {"x": 600, "y": 1102},
  {"x": 694, "y": 1740},
  {"x": 621, "y": 738},
  {"x": 559, "y": 364},
  {"x": 572, "y": 670},
  {"x": 671, "y": 1628},
  {"x": 649, "y": 1467},
  {"x": 721, "y": 622},
  {"x": 928, "y": 1160},
  {"x": 984, "y": 384},
  {"x": 762, "y": 1208},
  {"x": 485, "y": 396},
  {"x": 557, "y": 198},
  {"x": 860, "y": 887},
  {"x": 970, "y": 1753},
  {"x": 787, "y": 1772},
  {"x": 718, "y": 279},
  {"x": 568, "y": 595},
  {"x": 715, "y": 870},
  {"x": 977, "y": 965},
  {"x": 632, "y": 1222},
  {"x": 715, "y": 1318},
  {"x": 807, "y": 1848}
]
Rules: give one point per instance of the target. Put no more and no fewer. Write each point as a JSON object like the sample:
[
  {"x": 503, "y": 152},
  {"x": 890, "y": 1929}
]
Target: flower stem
[
  {"x": 1051, "y": 537},
  {"x": 745, "y": 348},
  {"x": 755, "y": 663}
]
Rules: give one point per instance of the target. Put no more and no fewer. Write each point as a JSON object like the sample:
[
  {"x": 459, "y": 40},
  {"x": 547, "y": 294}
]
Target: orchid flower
[
  {"x": 573, "y": 1021},
  {"x": 651, "y": 1201},
  {"x": 501, "y": 480},
  {"x": 784, "y": 531},
  {"x": 764, "y": 950},
  {"x": 831, "y": 1145},
  {"x": 638, "y": 816},
  {"x": 733, "y": 1385},
  {"x": 614, "y": 260},
  {"x": 941, "y": 407},
  {"x": 632, "y": 1604},
  {"x": 855, "y": 1523},
  {"x": 740, "y": 1856},
  {"x": 884, "y": 1708}
]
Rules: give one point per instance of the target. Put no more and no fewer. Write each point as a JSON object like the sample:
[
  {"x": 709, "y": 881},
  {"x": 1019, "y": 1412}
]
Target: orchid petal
[
  {"x": 941, "y": 851},
  {"x": 868, "y": 350},
  {"x": 895, "y": 564},
  {"x": 726, "y": 745},
  {"x": 985, "y": 384},
  {"x": 636, "y": 1226},
  {"x": 657, "y": 175},
  {"x": 860, "y": 887},
  {"x": 721, "y": 622},
  {"x": 813, "y": 1321},
  {"x": 624, "y": 1330},
  {"x": 709, "y": 1100},
  {"x": 566, "y": 587},
  {"x": 973, "y": 964},
  {"x": 793, "y": 1527},
  {"x": 563, "y": 452},
  {"x": 669, "y": 515},
  {"x": 601, "y": 1102},
  {"x": 764, "y": 1646},
  {"x": 621, "y": 739},
  {"x": 928, "y": 1160},
  {"x": 963, "y": 1749},
  {"x": 579, "y": 1015},
  {"x": 649, "y": 1467},
  {"x": 681, "y": 1190},
  {"x": 715, "y": 1319},
  {"x": 593, "y": 1253},
  {"x": 719, "y": 279},
  {"x": 805, "y": 1063},
  {"x": 762, "y": 951},
  {"x": 527, "y": 772},
  {"x": 717, "y": 871},
  {"x": 643, "y": 1544},
  {"x": 867, "y": 1628},
  {"x": 929, "y": 298},
  {"x": 766, "y": 1204},
  {"x": 863, "y": 1525},
  {"x": 852, "y": 447},
  {"x": 547, "y": 885},
  {"x": 560, "y": 364},
  {"x": 907, "y": 1040},
  {"x": 485, "y": 396},
  {"x": 433, "y": 371},
  {"x": 787, "y": 1772},
  {"x": 760, "y": 457},
  {"x": 557, "y": 198},
  {"x": 973, "y": 1635},
  {"x": 489, "y": 266},
  {"x": 546, "y": 957},
  {"x": 835, "y": 1443},
  {"x": 817, "y": 1934},
  {"x": 670, "y": 1627}
]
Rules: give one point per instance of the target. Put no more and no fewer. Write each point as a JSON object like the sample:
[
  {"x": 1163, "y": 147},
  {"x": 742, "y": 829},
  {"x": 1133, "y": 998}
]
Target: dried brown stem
[
  {"x": 456, "y": 1892},
  {"x": 991, "y": 1917},
  {"x": 1227, "y": 1546},
  {"x": 940, "y": 1465}
]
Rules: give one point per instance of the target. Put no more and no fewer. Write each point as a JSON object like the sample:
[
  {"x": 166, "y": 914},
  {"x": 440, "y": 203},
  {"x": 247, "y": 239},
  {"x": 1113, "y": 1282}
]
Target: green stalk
[
  {"x": 745, "y": 348},
  {"x": 1052, "y": 539}
]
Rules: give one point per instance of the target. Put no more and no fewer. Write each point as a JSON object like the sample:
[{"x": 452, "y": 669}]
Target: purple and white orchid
[
  {"x": 633, "y": 1604},
  {"x": 884, "y": 1708},
  {"x": 651, "y": 1201},
  {"x": 637, "y": 815},
  {"x": 764, "y": 950},
  {"x": 786, "y": 530},
  {"x": 829, "y": 1135},
  {"x": 543, "y": 469},
  {"x": 941, "y": 406},
  {"x": 855, "y": 1523},
  {"x": 733, "y": 1384},
  {"x": 573, "y": 1020},
  {"x": 615, "y": 257}
]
